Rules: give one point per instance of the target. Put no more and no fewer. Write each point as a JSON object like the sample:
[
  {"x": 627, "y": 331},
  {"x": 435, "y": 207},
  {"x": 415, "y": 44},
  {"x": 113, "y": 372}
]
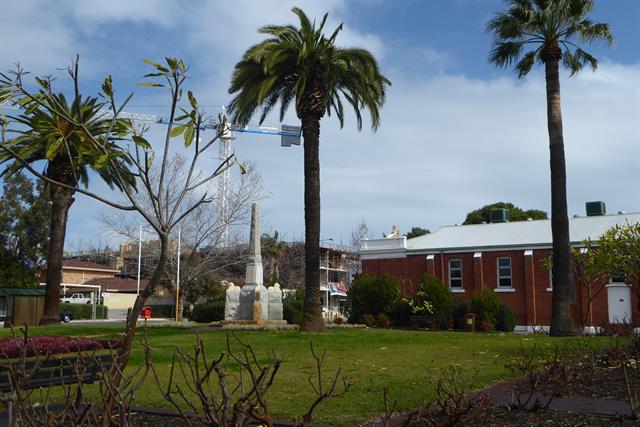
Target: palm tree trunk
[
  {"x": 312, "y": 315},
  {"x": 61, "y": 199},
  {"x": 563, "y": 288}
]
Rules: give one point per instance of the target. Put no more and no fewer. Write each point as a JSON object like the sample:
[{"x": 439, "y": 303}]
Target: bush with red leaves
[{"x": 55, "y": 344}]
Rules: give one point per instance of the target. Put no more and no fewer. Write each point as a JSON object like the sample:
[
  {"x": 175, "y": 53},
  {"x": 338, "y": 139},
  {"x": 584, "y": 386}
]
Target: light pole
[
  {"x": 139, "y": 258},
  {"x": 178, "y": 276}
]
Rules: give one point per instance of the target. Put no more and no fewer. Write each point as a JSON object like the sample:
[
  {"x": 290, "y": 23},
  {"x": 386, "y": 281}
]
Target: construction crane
[{"x": 289, "y": 135}]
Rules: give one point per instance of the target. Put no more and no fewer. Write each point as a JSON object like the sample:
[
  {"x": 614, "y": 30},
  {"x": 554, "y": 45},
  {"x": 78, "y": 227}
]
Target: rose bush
[{"x": 55, "y": 344}]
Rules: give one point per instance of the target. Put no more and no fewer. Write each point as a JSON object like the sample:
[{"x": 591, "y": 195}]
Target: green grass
[{"x": 407, "y": 362}]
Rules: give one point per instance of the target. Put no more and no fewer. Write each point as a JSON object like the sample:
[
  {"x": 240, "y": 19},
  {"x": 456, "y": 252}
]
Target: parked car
[
  {"x": 67, "y": 316},
  {"x": 76, "y": 299}
]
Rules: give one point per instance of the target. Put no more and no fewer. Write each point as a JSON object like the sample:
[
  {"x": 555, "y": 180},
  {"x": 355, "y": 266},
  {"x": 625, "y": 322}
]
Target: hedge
[
  {"x": 83, "y": 311},
  {"x": 208, "y": 312}
]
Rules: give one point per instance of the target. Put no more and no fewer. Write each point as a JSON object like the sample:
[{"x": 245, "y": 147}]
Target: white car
[{"x": 76, "y": 299}]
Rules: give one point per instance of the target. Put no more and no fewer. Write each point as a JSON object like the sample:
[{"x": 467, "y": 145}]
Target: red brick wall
[{"x": 531, "y": 301}]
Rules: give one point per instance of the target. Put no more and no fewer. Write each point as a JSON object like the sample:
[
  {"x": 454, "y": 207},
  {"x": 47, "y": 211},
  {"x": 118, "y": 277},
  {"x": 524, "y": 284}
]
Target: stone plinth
[
  {"x": 232, "y": 303},
  {"x": 275, "y": 302}
]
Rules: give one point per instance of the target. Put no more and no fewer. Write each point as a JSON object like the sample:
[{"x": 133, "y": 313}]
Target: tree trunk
[
  {"x": 563, "y": 288},
  {"x": 312, "y": 318},
  {"x": 61, "y": 199},
  {"x": 132, "y": 319}
]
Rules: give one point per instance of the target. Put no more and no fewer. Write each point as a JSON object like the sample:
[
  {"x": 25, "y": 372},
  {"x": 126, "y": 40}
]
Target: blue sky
[{"x": 456, "y": 132}]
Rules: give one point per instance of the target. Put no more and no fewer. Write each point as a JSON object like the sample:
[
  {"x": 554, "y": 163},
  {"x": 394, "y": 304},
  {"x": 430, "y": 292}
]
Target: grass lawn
[{"x": 407, "y": 362}]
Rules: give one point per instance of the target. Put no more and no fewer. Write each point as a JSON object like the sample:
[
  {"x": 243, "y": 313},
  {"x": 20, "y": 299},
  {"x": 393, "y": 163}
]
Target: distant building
[
  {"x": 334, "y": 279},
  {"x": 506, "y": 257}
]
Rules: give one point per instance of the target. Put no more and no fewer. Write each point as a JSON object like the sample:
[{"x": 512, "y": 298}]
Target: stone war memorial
[{"x": 253, "y": 302}]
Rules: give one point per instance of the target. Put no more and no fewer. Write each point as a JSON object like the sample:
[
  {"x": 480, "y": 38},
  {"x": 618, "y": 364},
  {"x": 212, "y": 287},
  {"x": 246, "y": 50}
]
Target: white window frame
[
  {"x": 498, "y": 276},
  {"x": 455, "y": 288}
]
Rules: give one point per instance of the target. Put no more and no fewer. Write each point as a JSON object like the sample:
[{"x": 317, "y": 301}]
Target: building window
[
  {"x": 3, "y": 306},
  {"x": 455, "y": 273},
  {"x": 504, "y": 272}
]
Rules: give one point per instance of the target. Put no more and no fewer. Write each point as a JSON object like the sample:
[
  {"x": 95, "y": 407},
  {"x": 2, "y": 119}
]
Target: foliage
[
  {"x": 433, "y": 290},
  {"x": 373, "y": 295},
  {"x": 208, "y": 312},
  {"x": 486, "y": 305},
  {"x": 401, "y": 313},
  {"x": 417, "y": 231},
  {"x": 547, "y": 28},
  {"x": 505, "y": 320},
  {"x": 483, "y": 215},
  {"x": 368, "y": 319},
  {"x": 458, "y": 312},
  {"x": 84, "y": 311},
  {"x": 619, "y": 254},
  {"x": 292, "y": 304},
  {"x": 14, "y": 273},
  {"x": 382, "y": 321},
  {"x": 24, "y": 220},
  {"x": 52, "y": 344}
]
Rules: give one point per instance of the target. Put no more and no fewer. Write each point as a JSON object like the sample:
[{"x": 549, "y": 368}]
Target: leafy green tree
[
  {"x": 14, "y": 273},
  {"x": 24, "y": 225},
  {"x": 300, "y": 65},
  {"x": 69, "y": 155},
  {"x": 373, "y": 295},
  {"x": 273, "y": 250},
  {"x": 483, "y": 215},
  {"x": 546, "y": 31},
  {"x": 417, "y": 231},
  {"x": 619, "y": 255}
]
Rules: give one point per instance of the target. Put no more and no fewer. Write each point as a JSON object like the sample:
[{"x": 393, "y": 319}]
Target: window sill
[
  {"x": 457, "y": 290},
  {"x": 549, "y": 289},
  {"x": 504, "y": 290}
]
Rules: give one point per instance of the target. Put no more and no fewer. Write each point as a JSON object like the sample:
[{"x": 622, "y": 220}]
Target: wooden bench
[
  {"x": 421, "y": 320},
  {"x": 44, "y": 372}
]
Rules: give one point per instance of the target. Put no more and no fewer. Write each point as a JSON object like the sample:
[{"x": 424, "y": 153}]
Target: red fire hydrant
[{"x": 146, "y": 312}]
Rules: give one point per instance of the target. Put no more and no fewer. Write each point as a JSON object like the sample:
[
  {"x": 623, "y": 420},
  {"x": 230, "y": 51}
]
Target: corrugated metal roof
[
  {"x": 22, "y": 292},
  {"x": 515, "y": 234}
]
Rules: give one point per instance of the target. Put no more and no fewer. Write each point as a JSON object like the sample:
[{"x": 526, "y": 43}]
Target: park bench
[
  {"x": 50, "y": 371},
  {"x": 422, "y": 321}
]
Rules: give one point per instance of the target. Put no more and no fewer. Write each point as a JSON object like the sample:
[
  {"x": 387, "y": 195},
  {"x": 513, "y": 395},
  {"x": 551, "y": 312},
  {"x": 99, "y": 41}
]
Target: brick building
[{"x": 506, "y": 257}]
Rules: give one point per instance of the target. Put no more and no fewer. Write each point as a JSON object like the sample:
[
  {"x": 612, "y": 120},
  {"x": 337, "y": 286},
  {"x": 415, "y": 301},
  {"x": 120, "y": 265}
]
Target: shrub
[
  {"x": 373, "y": 295},
  {"x": 485, "y": 326},
  {"x": 166, "y": 311},
  {"x": 53, "y": 344},
  {"x": 292, "y": 307},
  {"x": 382, "y": 321},
  {"x": 486, "y": 305},
  {"x": 433, "y": 290},
  {"x": 208, "y": 312},
  {"x": 450, "y": 324},
  {"x": 338, "y": 320},
  {"x": 368, "y": 320},
  {"x": 458, "y": 312},
  {"x": 401, "y": 313},
  {"x": 83, "y": 311},
  {"x": 506, "y": 321}
]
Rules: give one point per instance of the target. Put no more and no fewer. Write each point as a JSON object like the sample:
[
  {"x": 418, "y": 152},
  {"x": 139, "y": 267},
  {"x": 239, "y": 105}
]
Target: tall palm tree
[
  {"x": 68, "y": 154},
  {"x": 545, "y": 32},
  {"x": 303, "y": 66}
]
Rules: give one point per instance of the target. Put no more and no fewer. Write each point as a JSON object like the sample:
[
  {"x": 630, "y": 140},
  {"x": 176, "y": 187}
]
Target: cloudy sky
[{"x": 456, "y": 133}]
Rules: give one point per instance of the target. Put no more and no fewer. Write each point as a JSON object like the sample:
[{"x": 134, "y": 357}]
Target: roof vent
[
  {"x": 596, "y": 208},
  {"x": 499, "y": 215}
]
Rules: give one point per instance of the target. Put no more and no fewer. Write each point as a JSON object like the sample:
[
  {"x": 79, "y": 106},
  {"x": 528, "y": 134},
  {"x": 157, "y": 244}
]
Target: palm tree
[
  {"x": 304, "y": 66},
  {"x": 545, "y": 32},
  {"x": 69, "y": 154}
]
